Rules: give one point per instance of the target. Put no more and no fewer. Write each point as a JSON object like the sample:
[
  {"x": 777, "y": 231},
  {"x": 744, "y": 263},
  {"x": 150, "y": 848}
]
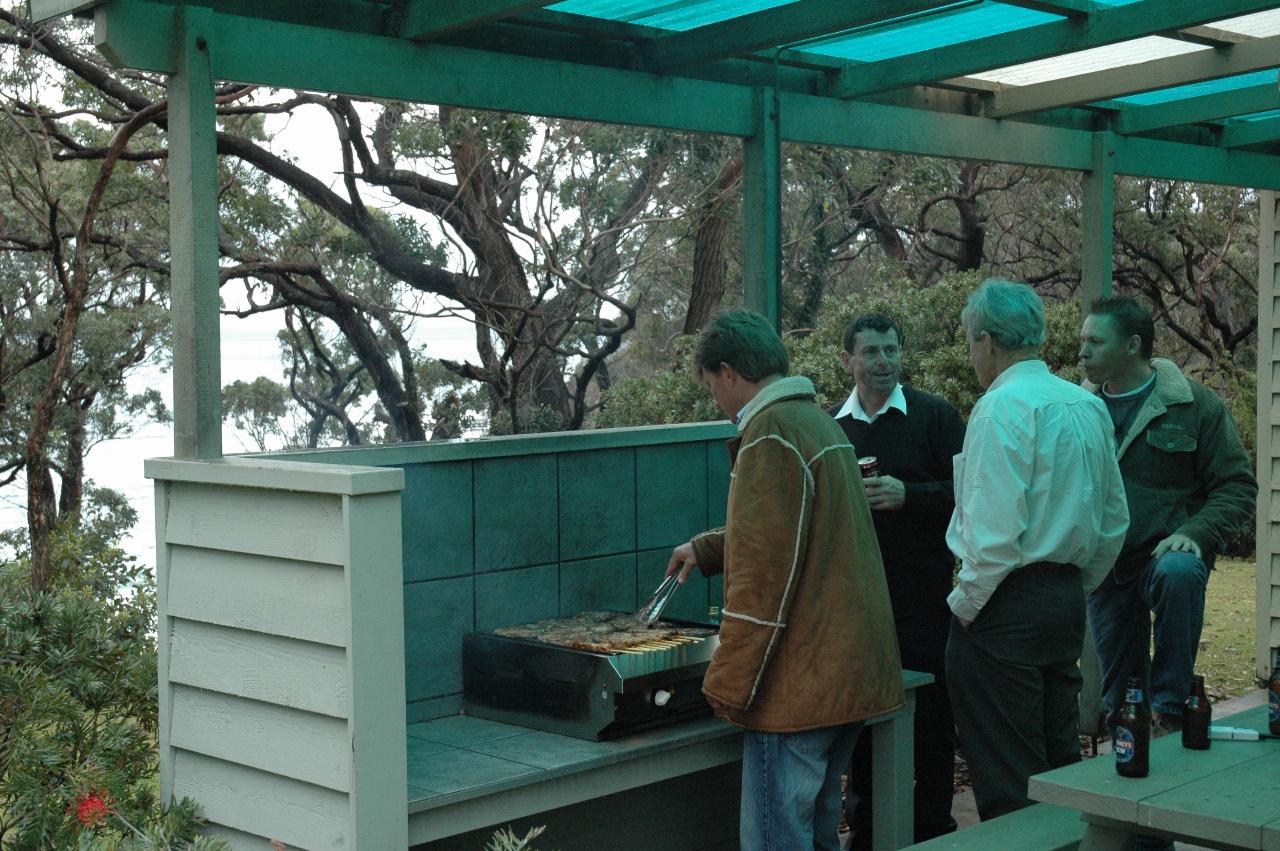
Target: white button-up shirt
[
  {"x": 853, "y": 405},
  {"x": 1037, "y": 481}
]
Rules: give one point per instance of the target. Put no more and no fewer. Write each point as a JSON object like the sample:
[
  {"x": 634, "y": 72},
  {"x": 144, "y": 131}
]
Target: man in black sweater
[{"x": 913, "y": 436}]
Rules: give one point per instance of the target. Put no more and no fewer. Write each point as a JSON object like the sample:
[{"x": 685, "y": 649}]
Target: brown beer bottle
[
  {"x": 1197, "y": 714},
  {"x": 1273, "y": 697},
  {"x": 1133, "y": 733}
]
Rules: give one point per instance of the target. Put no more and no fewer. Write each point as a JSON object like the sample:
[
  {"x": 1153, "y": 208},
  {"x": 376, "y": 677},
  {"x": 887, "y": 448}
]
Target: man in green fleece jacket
[{"x": 1190, "y": 487}]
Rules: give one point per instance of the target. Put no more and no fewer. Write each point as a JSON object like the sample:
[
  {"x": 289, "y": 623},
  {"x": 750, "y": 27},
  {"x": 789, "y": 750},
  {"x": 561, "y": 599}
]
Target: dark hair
[
  {"x": 877, "y": 322},
  {"x": 1131, "y": 319},
  {"x": 745, "y": 341}
]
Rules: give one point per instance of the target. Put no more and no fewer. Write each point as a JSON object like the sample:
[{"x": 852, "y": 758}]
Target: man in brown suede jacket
[{"x": 799, "y": 554}]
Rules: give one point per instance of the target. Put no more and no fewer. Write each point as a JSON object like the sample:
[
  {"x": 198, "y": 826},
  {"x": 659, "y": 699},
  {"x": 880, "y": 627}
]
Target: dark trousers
[
  {"x": 922, "y": 641},
  {"x": 1013, "y": 677}
]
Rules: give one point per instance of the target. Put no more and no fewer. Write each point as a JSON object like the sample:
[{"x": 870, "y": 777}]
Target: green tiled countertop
[
  {"x": 457, "y": 758},
  {"x": 466, "y": 773}
]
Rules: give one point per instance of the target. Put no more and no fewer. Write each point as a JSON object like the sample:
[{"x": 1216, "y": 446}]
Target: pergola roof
[{"x": 1182, "y": 89}]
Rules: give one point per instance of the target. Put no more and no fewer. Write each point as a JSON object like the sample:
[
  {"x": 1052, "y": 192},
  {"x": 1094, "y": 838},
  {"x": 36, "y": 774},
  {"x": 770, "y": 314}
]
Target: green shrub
[
  {"x": 78, "y": 704},
  {"x": 935, "y": 358}
]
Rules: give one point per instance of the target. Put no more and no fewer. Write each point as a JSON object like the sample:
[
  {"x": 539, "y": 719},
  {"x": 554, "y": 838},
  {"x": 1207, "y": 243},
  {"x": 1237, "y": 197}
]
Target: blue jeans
[
  {"x": 1172, "y": 589},
  {"x": 791, "y": 788}
]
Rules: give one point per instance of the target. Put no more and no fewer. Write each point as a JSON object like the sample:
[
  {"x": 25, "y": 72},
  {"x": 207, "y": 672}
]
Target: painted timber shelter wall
[
  {"x": 1268, "y": 446},
  {"x": 502, "y": 531},
  {"x": 280, "y": 650}
]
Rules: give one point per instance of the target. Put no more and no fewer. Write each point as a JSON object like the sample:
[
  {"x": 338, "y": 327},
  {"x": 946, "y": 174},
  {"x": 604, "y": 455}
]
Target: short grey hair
[{"x": 1011, "y": 312}]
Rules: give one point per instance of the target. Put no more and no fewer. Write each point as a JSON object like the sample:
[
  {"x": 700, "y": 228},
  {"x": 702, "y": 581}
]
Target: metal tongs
[{"x": 652, "y": 610}]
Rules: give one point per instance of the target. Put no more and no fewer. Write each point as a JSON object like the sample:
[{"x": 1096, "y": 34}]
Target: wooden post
[
  {"x": 1096, "y": 232},
  {"x": 1268, "y": 603},
  {"x": 762, "y": 211},
  {"x": 193, "y": 240}
]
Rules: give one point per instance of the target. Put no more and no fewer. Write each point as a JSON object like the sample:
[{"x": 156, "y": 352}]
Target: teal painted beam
[
  {"x": 138, "y": 34},
  {"x": 1141, "y": 157},
  {"x": 1141, "y": 77},
  {"x": 193, "y": 241},
  {"x": 857, "y": 124},
  {"x": 779, "y": 25},
  {"x": 762, "y": 210},
  {"x": 133, "y": 34},
  {"x": 1240, "y": 134},
  {"x": 1066, "y": 8},
  {"x": 1245, "y": 101},
  {"x": 1096, "y": 228},
  {"x": 424, "y": 19},
  {"x": 1108, "y": 26}
]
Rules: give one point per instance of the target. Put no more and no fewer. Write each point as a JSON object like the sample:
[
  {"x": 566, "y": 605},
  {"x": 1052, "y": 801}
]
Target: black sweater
[{"x": 916, "y": 448}]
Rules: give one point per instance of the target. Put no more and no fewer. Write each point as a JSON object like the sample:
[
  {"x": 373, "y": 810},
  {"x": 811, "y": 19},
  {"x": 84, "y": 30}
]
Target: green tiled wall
[{"x": 500, "y": 539}]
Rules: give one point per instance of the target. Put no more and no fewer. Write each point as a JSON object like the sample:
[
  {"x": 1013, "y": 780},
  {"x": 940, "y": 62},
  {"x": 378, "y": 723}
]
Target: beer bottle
[
  {"x": 1273, "y": 697},
  {"x": 1196, "y": 716},
  {"x": 1133, "y": 733}
]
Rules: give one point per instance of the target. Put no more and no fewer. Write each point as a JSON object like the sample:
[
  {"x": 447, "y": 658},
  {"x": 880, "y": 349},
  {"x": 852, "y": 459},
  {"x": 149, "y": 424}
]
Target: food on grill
[{"x": 605, "y": 632}]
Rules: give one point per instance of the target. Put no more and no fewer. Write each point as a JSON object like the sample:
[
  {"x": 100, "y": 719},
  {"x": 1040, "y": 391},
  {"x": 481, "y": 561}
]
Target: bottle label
[
  {"x": 1133, "y": 695},
  {"x": 1273, "y": 706},
  {"x": 1123, "y": 744}
]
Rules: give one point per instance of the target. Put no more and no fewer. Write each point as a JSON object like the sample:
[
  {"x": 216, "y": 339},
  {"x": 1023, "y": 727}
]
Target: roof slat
[
  {"x": 1141, "y": 77},
  {"x": 781, "y": 25},
  {"x": 1040, "y": 41},
  {"x": 1242, "y": 101},
  {"x": 1240, "y": 134},
  {"x": 424, "y": 19},
  {"x": 1066, "y": 8}
]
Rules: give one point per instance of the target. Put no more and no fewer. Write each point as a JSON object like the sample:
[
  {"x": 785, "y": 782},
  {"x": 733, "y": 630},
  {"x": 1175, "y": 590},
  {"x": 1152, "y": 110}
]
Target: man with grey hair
[{"x": 1040, "y": 517}]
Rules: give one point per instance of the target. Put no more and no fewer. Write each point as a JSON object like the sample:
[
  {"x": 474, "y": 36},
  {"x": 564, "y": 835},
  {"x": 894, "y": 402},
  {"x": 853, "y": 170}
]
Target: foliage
[
  {"x": 78, "y": 705},
  {"x": 936, "y": 354},
  {"x": 506, "y": 839}
]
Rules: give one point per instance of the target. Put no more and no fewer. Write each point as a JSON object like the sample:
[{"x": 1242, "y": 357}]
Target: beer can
[{"x": 869, "y": 466}]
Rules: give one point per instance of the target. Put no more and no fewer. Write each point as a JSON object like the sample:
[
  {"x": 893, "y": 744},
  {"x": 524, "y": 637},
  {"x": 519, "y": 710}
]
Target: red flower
[{"x": 91, "y": 808}]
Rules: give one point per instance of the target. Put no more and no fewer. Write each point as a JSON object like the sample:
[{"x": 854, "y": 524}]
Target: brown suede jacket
[{"x": 807, "y": 636}]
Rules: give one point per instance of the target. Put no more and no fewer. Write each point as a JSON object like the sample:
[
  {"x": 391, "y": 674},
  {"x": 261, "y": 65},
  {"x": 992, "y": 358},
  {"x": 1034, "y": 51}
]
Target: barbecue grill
[{"x": 596, "y": 690}]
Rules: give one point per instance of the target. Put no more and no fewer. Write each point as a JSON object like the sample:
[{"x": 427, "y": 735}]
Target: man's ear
[
  {"x": 844, "y": 359},
  {"x": 1134, "y": 345}
]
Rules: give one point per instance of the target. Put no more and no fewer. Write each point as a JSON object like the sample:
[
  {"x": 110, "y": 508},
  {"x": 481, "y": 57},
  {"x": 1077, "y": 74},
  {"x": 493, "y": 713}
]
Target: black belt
[{"x": 1048, "y": 567}]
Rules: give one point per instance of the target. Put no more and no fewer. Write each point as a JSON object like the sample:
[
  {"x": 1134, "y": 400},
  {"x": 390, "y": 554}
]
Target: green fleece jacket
[
  {"x": 1184, "y": 471},
  {"x": 807, "y": 635}
]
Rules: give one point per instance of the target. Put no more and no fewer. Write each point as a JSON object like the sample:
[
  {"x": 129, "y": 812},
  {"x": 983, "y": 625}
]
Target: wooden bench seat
[{"x": 1040, "y": 827}]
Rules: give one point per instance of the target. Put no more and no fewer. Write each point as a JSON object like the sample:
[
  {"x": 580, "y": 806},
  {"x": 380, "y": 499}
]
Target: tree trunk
[
  {"x": 71, "y": 497},
  {"x": 710, "y": 268},
  {"x": 42, "y": 514}
]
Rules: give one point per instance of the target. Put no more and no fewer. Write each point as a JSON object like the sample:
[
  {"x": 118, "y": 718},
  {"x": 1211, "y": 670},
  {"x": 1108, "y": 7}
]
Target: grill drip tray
[{"x": 615, "y": 681}]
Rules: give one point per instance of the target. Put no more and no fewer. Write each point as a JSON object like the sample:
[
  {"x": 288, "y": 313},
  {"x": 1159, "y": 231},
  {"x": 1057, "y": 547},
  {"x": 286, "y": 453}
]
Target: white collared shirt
[
  {"x": 1037, "y": 481},
  {"x": 853, "y": 405}
]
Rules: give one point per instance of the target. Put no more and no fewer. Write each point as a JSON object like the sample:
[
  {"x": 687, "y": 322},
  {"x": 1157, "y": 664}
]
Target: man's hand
[
  {"x": 683, "y": 560},
  {"x": 1176, "y": 543},
  {"x": 884, "y": 493},
  {"x": 964, "y": 624}
]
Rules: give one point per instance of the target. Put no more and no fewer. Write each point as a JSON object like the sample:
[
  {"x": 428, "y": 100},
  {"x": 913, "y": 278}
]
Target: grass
[{"x": 1226, "y": 655}]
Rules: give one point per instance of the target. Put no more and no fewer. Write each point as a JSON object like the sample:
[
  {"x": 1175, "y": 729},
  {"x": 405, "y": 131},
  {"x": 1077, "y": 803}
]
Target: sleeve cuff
[{"x": 962, "y": 607}]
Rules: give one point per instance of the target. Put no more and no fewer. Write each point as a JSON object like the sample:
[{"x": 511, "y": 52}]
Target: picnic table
[{"x": 1225, "y": 797}]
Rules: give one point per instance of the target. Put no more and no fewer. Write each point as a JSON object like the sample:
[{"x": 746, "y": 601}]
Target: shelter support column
[
  {"x": 1096, "y": 222},
  {"x": 1268, "y": 529},
  {"x": 762, "y": 210},
  {"x": 193, "y": 240}
]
